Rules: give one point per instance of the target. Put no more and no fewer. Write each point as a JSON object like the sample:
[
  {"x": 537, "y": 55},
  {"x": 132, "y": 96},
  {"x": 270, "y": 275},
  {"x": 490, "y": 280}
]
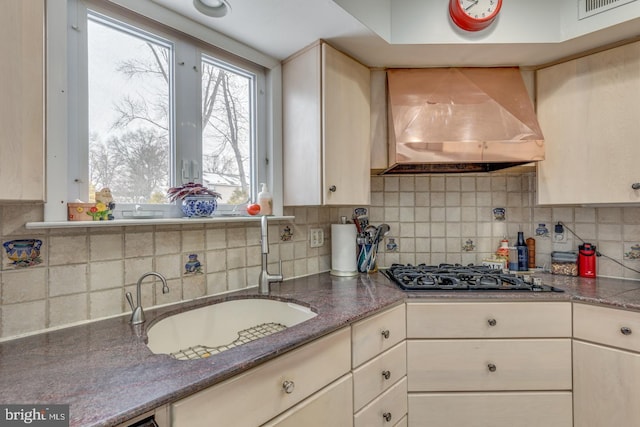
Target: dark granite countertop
[{"x": 108, "y": 375}]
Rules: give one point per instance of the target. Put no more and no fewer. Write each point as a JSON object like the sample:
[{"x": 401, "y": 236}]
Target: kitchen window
[{"x": 151, "y": 108}]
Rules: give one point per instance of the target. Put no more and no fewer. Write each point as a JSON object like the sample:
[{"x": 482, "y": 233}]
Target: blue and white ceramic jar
[{"x": 199, "y": 206}]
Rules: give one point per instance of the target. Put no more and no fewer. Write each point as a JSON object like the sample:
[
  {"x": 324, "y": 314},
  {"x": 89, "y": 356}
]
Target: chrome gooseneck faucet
[
  {"x": 137, "y": 316},
  {"x": 266, "y": 278}
]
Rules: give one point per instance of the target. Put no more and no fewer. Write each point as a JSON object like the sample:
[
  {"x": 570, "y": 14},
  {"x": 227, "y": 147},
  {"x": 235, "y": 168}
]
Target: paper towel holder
[{"x": 343, "y": 250}]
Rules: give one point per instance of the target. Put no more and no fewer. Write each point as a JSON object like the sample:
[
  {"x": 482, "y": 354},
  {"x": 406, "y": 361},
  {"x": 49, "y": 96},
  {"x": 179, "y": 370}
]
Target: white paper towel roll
[{"x": 343, "y": 250}]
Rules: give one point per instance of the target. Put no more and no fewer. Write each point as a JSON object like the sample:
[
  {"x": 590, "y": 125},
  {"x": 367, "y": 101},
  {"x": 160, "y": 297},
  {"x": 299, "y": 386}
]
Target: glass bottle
[{"x": 523, "y": 252}]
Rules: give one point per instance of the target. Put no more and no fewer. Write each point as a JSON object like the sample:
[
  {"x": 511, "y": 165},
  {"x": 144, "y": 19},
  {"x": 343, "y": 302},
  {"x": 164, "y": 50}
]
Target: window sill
[{"x": 143, "y": 222}]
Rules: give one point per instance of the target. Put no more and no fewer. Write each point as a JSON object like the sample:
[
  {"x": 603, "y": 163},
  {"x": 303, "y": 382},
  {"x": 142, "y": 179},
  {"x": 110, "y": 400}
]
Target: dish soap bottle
[{"x": 265, "y": 200}]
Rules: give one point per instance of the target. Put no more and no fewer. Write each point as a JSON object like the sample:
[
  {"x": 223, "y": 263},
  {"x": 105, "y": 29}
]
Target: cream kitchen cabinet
[
  {"x": 505, "y": 363},
  {"x": 380, "y": 369},
  {"x": 331, "y": 406},
  {"x": 606, "y": 379},
  {"x": 326, "y": 136},
  {"x": 262, "y": 393},
  {"x": 588, "y": 112},
  {"x": 22, "y": 41}
]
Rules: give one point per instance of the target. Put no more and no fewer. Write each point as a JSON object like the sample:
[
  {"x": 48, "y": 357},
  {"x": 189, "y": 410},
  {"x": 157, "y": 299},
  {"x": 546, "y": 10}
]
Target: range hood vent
[{"x": 460, "y": 120}]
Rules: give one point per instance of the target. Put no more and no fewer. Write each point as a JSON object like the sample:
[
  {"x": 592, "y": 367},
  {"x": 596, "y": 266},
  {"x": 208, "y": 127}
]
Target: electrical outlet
[
  {"x": 559, "y": 234},
  {"x": 316, "y": 237}
]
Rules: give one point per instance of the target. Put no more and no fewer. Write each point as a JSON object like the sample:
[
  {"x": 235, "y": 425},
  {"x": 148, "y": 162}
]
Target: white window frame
[{"x": 61, "y": 155}]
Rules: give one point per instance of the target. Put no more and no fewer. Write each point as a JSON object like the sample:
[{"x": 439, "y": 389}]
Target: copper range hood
[{"x": 460, "y": 120}]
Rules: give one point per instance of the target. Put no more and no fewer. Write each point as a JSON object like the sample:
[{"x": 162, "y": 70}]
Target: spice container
[{"x": 564, "y": 263}]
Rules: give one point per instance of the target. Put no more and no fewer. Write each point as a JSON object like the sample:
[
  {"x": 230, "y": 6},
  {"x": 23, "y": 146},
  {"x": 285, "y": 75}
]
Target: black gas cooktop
[{"x": 456, "y": 277}]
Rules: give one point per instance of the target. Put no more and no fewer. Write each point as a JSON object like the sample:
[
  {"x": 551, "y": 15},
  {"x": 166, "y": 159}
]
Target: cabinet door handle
[
  {"x": 635, "y": 186},
  {"x": 333, "y": 188},
  {"x": 386, "y": 334},
  {"x": 492, "y": 367},
  {"x": 288, "y": 386},
  {"x": 625, "y": 330},
  {"x": 386, "y": 374},
  {"x": 492, "y": 322},
  {"x": 387, "y": 416}
]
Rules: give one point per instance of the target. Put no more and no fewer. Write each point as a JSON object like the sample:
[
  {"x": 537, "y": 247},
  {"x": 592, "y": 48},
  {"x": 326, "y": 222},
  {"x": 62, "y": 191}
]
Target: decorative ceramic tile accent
[
  {"x": 542, "y": 230},
  {"x": 23, "y": 252},
  {"x": 499, "y": 214},
  {"x": 392, "y": 246},
  {"x": 193, "y": 265},
  {"x": 468, "y": 246},
  {"x": 634, "y": 252},
  {"x": 286, "y": 234}
]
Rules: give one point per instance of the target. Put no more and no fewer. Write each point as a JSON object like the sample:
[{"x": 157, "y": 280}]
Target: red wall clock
[{"x": 474, "y": 15}]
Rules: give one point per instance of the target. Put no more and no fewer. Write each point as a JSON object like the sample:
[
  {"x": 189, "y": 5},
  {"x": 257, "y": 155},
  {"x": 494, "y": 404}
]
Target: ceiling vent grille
[{"x": 587, "y": 8}]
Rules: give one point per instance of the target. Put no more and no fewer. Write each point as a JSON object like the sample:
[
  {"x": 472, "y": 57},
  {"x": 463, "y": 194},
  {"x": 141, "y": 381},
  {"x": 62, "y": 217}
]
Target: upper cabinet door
[
  {"x": 347, "y": 129},
  {"x": 327, "y": 131},
  {"x": 588, "y": 111},
  {"x": 22, "y": 125}
]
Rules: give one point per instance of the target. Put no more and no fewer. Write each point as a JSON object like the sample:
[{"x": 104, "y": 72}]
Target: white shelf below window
[{"x": 143, "y": 222}]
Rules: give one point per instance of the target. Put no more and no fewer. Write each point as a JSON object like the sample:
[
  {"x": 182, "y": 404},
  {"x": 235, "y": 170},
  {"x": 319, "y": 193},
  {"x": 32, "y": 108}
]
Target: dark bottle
[{"x": 523, "y": 253}]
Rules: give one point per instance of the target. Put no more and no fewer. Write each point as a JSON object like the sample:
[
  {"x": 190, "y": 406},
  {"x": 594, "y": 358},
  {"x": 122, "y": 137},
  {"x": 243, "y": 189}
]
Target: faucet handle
[{"x": 130, "y": 300}]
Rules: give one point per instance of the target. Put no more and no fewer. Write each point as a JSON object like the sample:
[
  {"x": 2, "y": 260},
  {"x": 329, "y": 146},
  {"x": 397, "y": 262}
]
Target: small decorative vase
[
  {"x": 199, "y": 206},
  {"x": 23, "y": 251}
]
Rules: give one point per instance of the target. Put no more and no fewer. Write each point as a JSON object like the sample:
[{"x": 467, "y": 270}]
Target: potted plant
[{"x": 196, "y": 200}]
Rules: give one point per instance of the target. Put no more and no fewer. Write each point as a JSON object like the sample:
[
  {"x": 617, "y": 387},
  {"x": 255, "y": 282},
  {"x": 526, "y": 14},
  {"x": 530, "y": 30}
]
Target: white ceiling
[{"x": 279, "y": 28}]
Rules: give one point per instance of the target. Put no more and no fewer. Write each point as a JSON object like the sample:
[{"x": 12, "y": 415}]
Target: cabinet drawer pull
[
  {"x": 387, "y": 416},
  {"x": 386, "y": 334},
  {"x": 625, "y": 330},
  {"x": 386, "y": 374},
  {"x": 492, "y": 367},
  {"x": 288, "y": 386},
  {"x": 635, "y": 186},
  {"x": 333, "y": 188},
  {"x": 492, "y": 322}
]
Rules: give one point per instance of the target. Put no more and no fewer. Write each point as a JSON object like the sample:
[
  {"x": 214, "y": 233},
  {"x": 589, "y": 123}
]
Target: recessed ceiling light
[{"x": 214, "y": 8}]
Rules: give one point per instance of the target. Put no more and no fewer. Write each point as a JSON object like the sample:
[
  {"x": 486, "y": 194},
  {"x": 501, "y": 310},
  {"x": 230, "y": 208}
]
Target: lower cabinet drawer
[
  {"x": 378, "y": 333},
  {"x": 256, "y": 396},
  {"x": 377, "y": 375},
  {"x": 386, "y": 409},
  {"x": 523, "y": 409},
  {"x": 489, "y": 320},
  {"x": 607, "y": 326},
  {"x": 477, "y": 365},
  {"x": 331, "y": 406}
]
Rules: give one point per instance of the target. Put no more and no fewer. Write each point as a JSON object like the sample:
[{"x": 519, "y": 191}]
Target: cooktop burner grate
[{"x": 424, "y": 277}]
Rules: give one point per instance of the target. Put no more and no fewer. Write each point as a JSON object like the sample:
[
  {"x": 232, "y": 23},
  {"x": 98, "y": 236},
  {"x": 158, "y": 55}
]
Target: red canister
[{"x": 587, "y": 260}]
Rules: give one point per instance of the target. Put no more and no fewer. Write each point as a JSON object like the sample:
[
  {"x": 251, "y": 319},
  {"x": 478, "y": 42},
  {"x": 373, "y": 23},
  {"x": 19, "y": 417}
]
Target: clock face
[
  {"x": 479, "y": 9},
  {"x": 474, "y": 15}
]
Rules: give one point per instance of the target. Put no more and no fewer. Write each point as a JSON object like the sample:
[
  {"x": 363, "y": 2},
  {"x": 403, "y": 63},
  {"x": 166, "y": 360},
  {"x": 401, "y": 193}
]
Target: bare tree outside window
[
  {"x": 130, "y": 123},
  {"x": 226, "y": 131}
]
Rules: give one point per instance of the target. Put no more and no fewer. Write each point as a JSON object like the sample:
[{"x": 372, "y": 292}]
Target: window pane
[
  {"x": 227, "y": 130},
  {"x": 129, "y": 83}
]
